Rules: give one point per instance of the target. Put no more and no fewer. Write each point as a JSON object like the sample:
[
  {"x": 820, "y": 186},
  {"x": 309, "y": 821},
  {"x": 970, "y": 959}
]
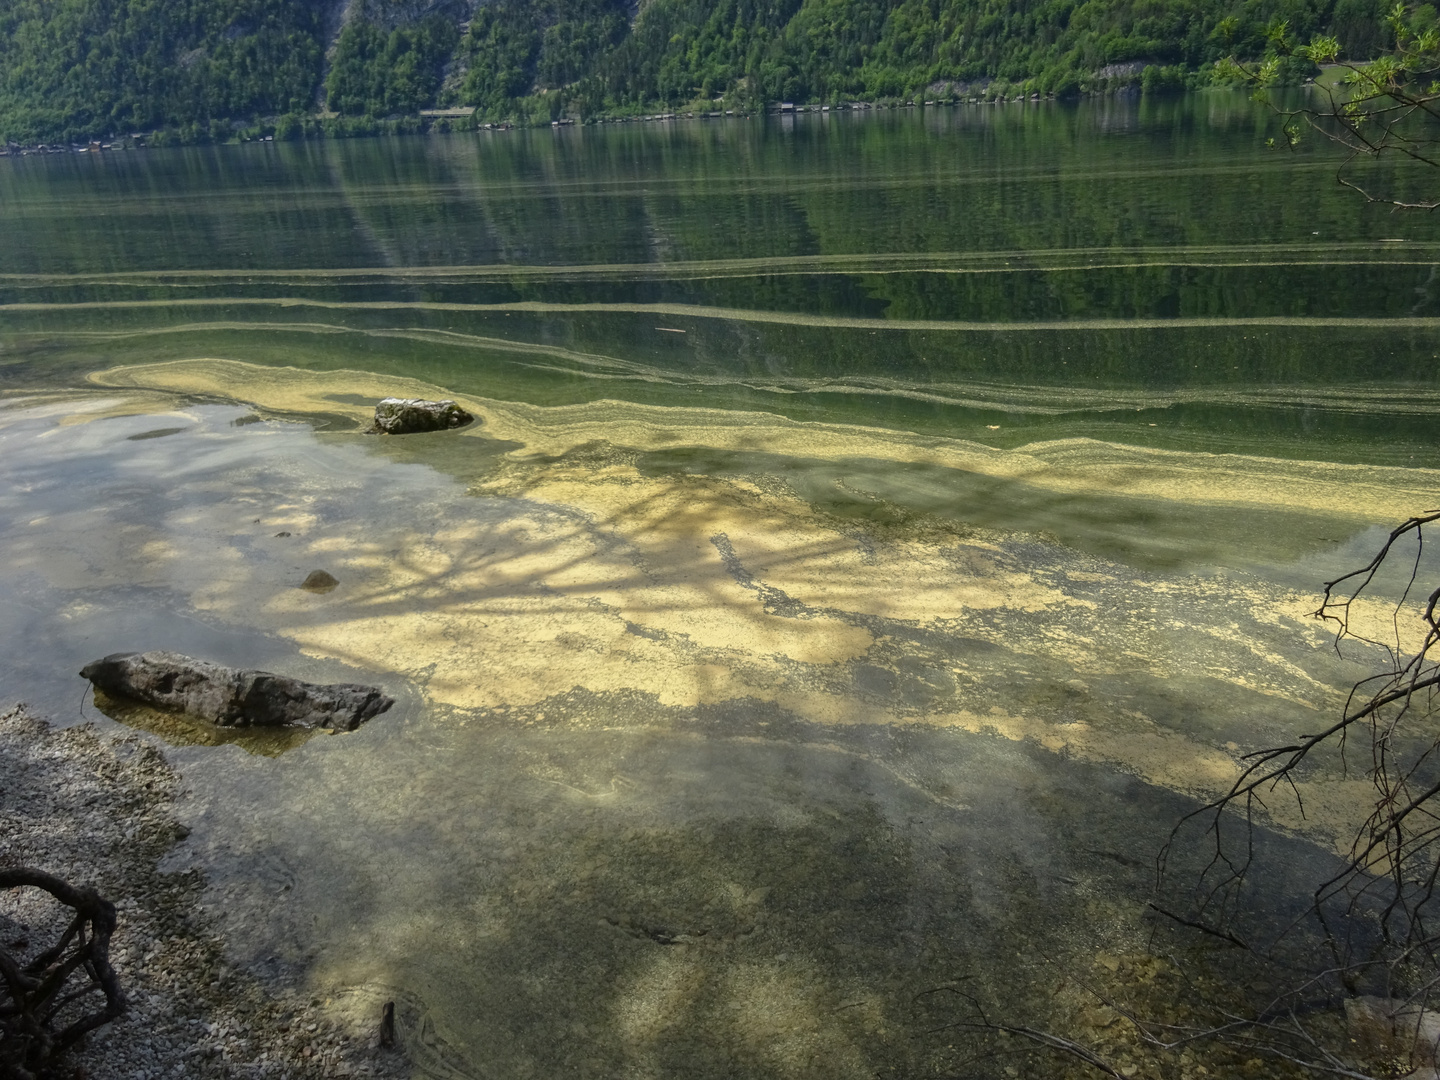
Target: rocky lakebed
[{"x": 99, "y": 809}]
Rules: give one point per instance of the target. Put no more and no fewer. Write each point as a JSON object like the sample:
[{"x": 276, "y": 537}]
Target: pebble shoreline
[{"x": 97, "y": 809}]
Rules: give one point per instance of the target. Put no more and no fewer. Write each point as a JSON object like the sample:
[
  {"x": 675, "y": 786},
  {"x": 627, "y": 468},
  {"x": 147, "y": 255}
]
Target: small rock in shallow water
[
  {"x": 405, "y": 416},
  {"x": 319, "y": 581},
  {"x": 232, "y": 697}
]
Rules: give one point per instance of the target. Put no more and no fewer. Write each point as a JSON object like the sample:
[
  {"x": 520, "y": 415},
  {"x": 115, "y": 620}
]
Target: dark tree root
[{"x": 43, "y": 1011}]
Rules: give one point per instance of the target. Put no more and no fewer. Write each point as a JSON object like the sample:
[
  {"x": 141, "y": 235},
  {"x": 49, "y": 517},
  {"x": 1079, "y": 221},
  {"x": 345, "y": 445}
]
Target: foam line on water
[
  {"x": 698, "y": 311},
  {"x": 1360, "y": 253}
]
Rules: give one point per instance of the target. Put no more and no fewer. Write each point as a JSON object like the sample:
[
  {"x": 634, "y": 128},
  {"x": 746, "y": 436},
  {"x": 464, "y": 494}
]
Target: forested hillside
[
  {"x": 72, "y": 68},
  {"x": 209, "y": 69}
]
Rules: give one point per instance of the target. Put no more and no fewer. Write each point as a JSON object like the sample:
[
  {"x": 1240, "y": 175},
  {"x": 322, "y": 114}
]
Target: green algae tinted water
[
  {"x": 1053, "y": 271},
  {"x": 877, "y": 529}
]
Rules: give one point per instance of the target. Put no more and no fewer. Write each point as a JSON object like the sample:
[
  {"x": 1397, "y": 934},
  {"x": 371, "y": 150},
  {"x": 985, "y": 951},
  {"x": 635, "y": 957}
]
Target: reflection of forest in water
[
  {"x": 913, "y": 271},
  {"x": 878, "y": 530}
]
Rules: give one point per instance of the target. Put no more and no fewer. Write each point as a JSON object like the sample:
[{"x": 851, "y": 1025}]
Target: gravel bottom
[{"x": 98, "y": 810}]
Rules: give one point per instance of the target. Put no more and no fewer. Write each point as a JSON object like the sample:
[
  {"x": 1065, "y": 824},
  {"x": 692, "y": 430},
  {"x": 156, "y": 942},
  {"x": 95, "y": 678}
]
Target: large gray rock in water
[
  {"x": 404, "y": 416},
  {"x": 232, "y": 697}
]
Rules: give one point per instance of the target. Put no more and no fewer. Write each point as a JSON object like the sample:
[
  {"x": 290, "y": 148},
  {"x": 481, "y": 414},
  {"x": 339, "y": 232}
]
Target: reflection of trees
[{"x": 1027, "y": 213}]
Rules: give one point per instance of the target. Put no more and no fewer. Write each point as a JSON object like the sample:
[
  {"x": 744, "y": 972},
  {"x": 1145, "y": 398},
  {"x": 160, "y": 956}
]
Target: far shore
[{"x": 463, "y": 121}]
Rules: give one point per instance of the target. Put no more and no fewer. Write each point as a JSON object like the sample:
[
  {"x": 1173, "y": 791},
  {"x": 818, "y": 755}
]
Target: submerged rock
[
  {"x": 233, "y": 697},
  {"x": 405, "y": 416},
  {"x": 319, "y": 581},
  {"x": 1395, "y": 1029}
]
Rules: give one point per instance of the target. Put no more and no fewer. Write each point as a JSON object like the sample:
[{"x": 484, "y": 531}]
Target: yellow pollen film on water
[
  {"x": 576, "y": 564},
  {"x": 1080, "y": 466}
]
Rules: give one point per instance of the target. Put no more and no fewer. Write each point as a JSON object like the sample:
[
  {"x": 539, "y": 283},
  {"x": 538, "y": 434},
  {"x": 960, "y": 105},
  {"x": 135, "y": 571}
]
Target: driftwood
[
  {"x": 42, "y": 1009},
  {"x": 231, "y": 697}
]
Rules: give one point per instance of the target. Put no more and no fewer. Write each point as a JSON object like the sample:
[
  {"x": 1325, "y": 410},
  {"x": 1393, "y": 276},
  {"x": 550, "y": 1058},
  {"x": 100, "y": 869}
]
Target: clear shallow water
[{"x": 877, "y": 531}]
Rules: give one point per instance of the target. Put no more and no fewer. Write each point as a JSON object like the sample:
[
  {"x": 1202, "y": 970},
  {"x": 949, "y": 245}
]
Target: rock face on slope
[
  {"x": 232, "y": 697},
  {"x": 405, "y": 416}
]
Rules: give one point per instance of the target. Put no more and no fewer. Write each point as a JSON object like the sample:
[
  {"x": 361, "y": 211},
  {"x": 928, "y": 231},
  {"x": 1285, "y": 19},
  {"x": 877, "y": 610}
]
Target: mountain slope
[{"x": 73, "y": 69}]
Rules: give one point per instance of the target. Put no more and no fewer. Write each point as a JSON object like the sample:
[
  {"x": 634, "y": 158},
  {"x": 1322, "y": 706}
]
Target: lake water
[{"x": 879, "y": 528}]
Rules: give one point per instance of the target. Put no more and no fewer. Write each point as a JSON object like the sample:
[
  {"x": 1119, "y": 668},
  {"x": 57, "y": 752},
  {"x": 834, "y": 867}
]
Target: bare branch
[{"x": 33, "y": 996}]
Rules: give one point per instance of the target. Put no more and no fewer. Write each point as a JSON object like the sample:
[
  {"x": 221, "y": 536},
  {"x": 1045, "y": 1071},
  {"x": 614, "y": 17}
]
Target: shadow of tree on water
[{"x": 719, "y": 892}]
